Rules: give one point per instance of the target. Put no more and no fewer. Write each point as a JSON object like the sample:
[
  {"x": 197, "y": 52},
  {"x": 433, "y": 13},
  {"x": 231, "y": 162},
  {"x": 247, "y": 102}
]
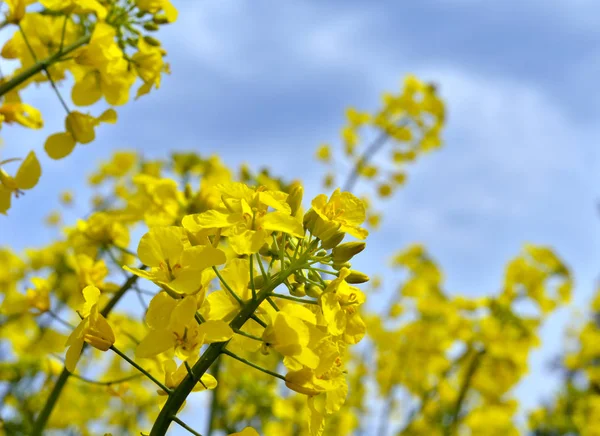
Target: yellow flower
[
  {"x": 173, "y": 325},
  {"x": 174, "y": 264},
  {"x": 245, "y": 217},
  {"x": 174, "y": 375},
  {"x": 79, "y": 129},
  {"x": 289, "y": 333},
  {"x": 76, "y": 6},
  {"x": 339, "y": 303},
  {"x": 16, "y": 10},
  {"x": 93, "y": 329},
  {"x": 154, "y": 6},
  {"x": 342, "y": 212},
  {"x": 23, "y": 114},
  {"x": 27, "y": 177}
]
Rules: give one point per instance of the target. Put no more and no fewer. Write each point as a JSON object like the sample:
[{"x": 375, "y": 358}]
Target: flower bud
[
  {"x": 152, "y": 41},
  {"x": 344, "y": 252},
  {"x": 259, "y": 282},
  {"x": 313, "y": 275},
  {"x": 295, "y": 197},
  {"x": 356, "y": 277},
  {"x": 298, "y": 290},
  {"x": 339, "y": 266},
  {"x": 333, "y": 240},
  {"x": 160, "y": 19},
  {"x": 313, "y": 291},
  {"x": 151, "y": 27}
]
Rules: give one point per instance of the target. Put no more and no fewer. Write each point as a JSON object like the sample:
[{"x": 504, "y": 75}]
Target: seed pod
[
  {"x": 356, "y": 277},
  {"x": 344, "y": 252}
]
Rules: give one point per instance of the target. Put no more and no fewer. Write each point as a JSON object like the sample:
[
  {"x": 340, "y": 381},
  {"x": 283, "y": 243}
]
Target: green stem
[
  {"x": 253, "y": 365},
  {"x": 106, "y": 383},
  {"x": 214, "y": 403},
  {"x": 40, "y": 66},
  {"x": 184, "y": 425},
  {"x": 226, "y": 286},
  {"x": 179, "y": 395},
  {"x": 451, "y": 429},
  {"x": 140, "y": 369},
  {"x": 42, "y": 419},
  {"x": 248, "y": 335},
  {"x": 252, "y": 285},
  {"x": 296, "y": 299}
]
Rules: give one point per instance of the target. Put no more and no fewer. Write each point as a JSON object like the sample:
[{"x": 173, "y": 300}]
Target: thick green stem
[
  {"x": 451, "y": 429},
  {"x": 40, "y": 66},
  {"x": 42, "y": 419},
  {"x": 179, "y": 395}
]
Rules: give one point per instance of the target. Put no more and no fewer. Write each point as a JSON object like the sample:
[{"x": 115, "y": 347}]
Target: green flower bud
[
  {"x": 344, "y": 252},
  {"x": 298, "y": 290},
  {"x": 333, "y": 240},
  {"x": 295, "y": 197},
  {"x": 152, "y": 41},
  {"x": 356, "y": 277},
  {"x": 313, "y": 291},
  {"x": 160, "y": 19},
  {"x": 259, "y": 282},
  {"x": 313, "y": 275},
  {"x": 339, "y": 266},
  {"x": 151, "y": 27}
]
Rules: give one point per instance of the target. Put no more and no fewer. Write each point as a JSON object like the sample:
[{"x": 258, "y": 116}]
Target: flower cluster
[
  {"x": 410, "y": 121},
  {"x": 105, "y": 46}
]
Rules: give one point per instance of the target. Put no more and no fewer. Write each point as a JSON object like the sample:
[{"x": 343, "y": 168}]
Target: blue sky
[{"x": 266, "y": 82}]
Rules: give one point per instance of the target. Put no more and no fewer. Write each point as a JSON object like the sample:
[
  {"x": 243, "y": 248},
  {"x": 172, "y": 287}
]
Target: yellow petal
[
  {"x": 29, "y": 172},
  {"x": 157, "y": 341},
  {"x": 283, "y": 222},
  {"x": 161, "y": 244},
  {"x": 81, "y": 127},
  {"x": 87, "y": 91},
  {"x": 215, "y": 331},
  {"x": 108, "y": 116},
  {"x": 73, "y": 354},
  {"x": 5, "y": 197},
  {"x": 59, "y": 145},
  {"x": 159, "y": 311},
  {"x": 183, "y": 314},
  {"x": 210, "y": 219},
  {"x": 201, "y": 257}
]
